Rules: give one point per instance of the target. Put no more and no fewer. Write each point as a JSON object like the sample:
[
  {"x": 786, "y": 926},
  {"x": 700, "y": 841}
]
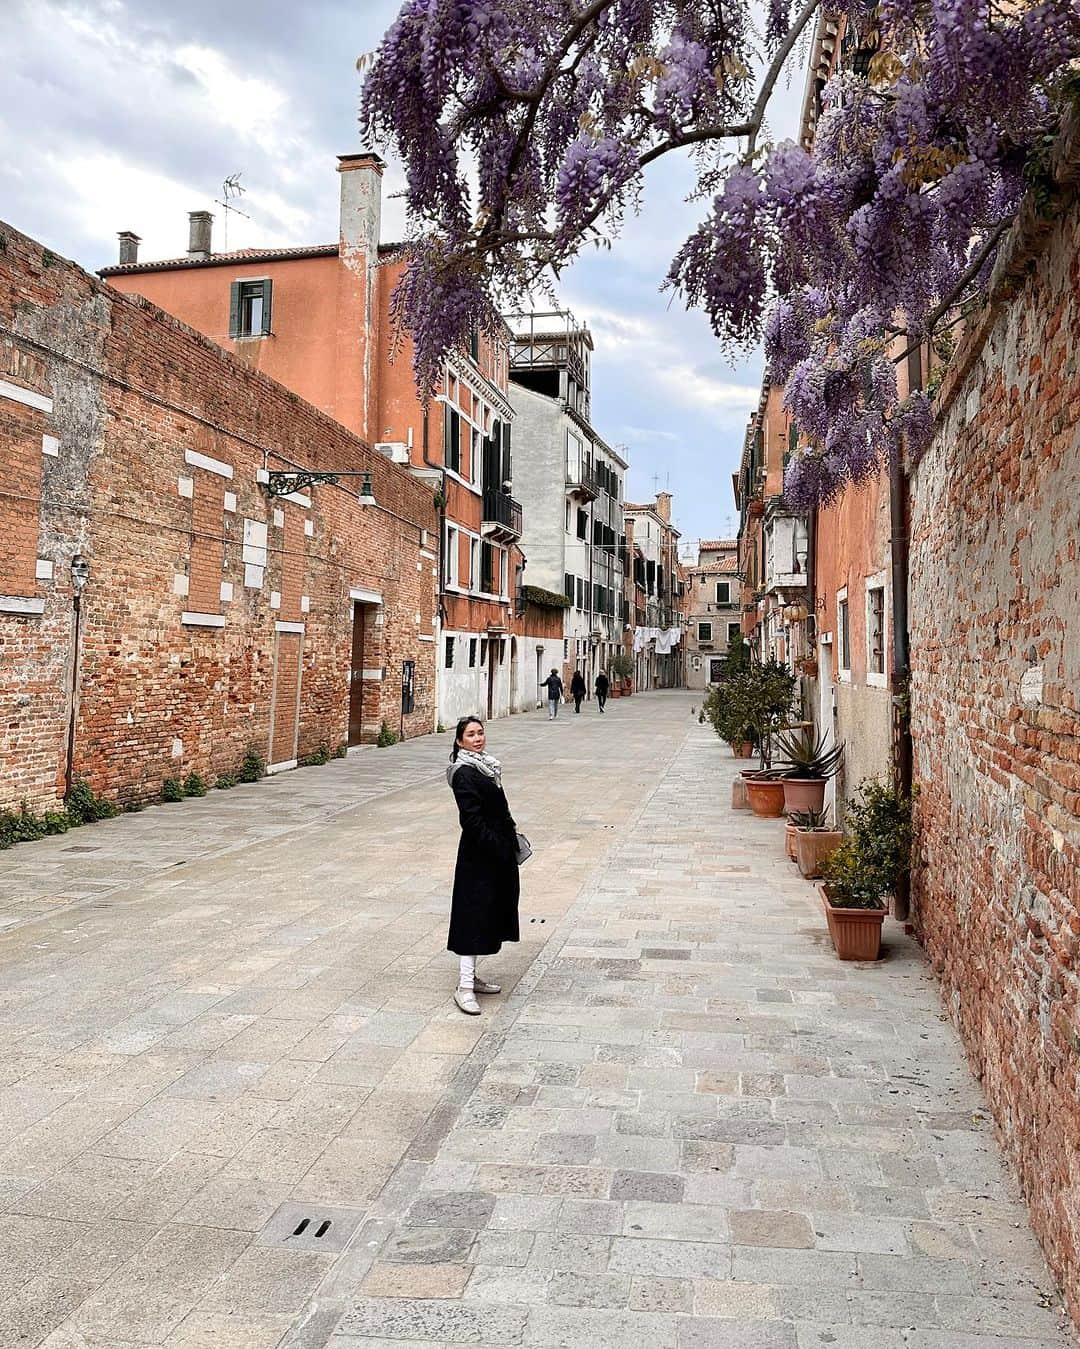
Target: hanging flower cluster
[{"x": 525, "y": 128}]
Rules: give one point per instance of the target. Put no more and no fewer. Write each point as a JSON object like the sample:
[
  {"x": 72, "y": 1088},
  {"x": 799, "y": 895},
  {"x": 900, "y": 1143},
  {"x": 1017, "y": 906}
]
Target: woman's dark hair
[{"x": 460, "y": 731}]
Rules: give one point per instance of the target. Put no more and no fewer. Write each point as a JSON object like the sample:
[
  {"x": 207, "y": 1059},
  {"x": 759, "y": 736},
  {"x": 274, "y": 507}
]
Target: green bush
[
  {"x": 21, "y": 826},
  {"x": 225, "y": 781},
  {"x": 386, "y": 736},
  {"x": 877, "y": 850},
  {"x": 57, "y": 821},
  {"x": 194, "y": 785},
  {"x": 172, "y": 789},
  {"x": 621, "y": 666},
  {"x": 254, "y": 766},
  {"x": 316, "y": 759},
  {"x": 341, "y": 750},
  {"x": 84, "y": 807}
]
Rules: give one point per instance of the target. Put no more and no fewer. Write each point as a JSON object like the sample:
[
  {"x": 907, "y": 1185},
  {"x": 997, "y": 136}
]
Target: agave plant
[
  {"x": 804, "y": 757},
  {"x": 811, "y": 821}
]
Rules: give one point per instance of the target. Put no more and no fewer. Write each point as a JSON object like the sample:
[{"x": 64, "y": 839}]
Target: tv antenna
[
  {"x": 231, "y": 191},
  {"x": 656, "y": 482}
]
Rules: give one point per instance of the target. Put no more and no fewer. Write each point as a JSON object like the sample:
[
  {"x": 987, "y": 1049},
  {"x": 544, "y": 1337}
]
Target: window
[
  {"x": 483, "y": 650},
  {"x": 580, "y": 597},
  {"x": 568, "y": 587},
  {"x": 704, "y": 632},
  {"x": 249, "y": 308},
  {"x": 723, "y": 592},
  {"x": 472, "y": 652},
  {"x": 474, "y": 344},
  {"x": 448, "y": 660},
  {"x": 566, "y": 648},
  {"x": 487, "y": 568},
  {"x": 875, "y": 635},
  {"x": 716, "y": 671},
  {"x": 582, "y": 524},
  {"x": 843, "y": 625},
  {"x": 474, "y": 563},
  {"x": 451, "y": 556},
  {"x": 734, "y": 631},
  {"x": 452, "y": 439}
]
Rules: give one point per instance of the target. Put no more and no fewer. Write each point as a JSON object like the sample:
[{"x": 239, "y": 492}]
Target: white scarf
[{"x": 484, "y": 762}]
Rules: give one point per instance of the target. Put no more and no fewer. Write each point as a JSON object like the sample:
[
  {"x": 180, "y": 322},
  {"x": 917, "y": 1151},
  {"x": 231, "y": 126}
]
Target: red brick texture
[
  {"x": 995, "y": 627},
  {"x": 136, "y": 394}
]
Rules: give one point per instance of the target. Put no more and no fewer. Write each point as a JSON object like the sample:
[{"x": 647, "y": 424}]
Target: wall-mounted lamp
[
  {"x": 367, "y": 492},
  {"x": 80, "y": 572}
]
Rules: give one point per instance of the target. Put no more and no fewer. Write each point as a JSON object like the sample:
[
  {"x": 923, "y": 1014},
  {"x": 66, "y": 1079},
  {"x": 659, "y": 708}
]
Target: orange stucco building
[{"x": 317, "y": 319}]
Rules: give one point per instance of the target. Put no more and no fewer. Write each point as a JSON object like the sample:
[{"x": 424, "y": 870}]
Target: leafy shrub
[
  {"x": 194, "y": 785},
  {"x": 386, "y": 736},
  {"x": 84, "y": 807},
  {"x": 341, "y": 750},
  {"x": 877, "y": 851},
  {"x": 254, "y": 766},
  {"x": 172, "y": 789},
  {"x": 225, "y": 781},
  {"x": 21, "y": 826},
  {"x": 57, "y": 821},
  {"x": 316, "y": 759}
]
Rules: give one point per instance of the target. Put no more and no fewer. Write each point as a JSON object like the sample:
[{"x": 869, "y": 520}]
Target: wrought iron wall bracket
[{"x": 282, "y": 482}]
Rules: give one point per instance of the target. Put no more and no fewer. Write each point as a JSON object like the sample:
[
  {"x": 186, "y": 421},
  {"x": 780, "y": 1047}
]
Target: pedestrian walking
[
  {"x": 578, "y": 689},
  {"x": 554, "y": 686},
  {"x": 484, "y": 908},
  {"x": 603, "y": 688}
]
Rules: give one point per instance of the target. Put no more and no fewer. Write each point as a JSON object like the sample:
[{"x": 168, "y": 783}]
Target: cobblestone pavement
[{"x": 683, "y": 1124}]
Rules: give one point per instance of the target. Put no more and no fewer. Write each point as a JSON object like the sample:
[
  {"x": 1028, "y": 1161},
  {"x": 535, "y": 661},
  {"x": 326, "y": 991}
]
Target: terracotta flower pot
[
  {"x": 804, "y": 794},
  {"x": 766, "y": 796},
  {"x": 789, "y": 840},
  {"x": 739, "y": 799},
  {"x": 743, "y": 751},
  {"x": 855, "y": 933},
  {"x": 616, "y": 691},
  {"x": 813, "y": 848}
]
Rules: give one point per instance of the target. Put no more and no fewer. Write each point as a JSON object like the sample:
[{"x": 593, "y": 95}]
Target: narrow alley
[{"x": 239, "y": 1109}]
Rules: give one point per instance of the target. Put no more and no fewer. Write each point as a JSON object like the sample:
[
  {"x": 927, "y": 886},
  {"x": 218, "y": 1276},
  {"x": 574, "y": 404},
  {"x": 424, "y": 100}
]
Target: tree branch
[
  {"x": 974, "y": 267},
  {"x": 757, "y": 117}
]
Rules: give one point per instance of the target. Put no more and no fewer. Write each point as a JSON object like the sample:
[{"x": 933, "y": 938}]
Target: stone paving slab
[{"x": 683, "y": 1124}]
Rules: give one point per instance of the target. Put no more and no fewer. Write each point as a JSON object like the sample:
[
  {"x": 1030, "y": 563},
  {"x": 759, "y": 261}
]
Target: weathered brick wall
[
  {"x": 995, "y": 627},
  {"x": 139, "y": 404}
]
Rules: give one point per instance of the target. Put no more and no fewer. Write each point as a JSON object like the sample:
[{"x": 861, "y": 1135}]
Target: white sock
[{"x": 468, "y": 972}]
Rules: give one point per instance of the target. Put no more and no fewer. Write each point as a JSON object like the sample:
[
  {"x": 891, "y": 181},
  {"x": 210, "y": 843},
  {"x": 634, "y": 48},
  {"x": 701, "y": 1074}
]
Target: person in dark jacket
[
  {"x": 484, "y": 909},
  {"x": 554, "y": 686},
  {"x": 577, "y": 689},
  {"x": 603, "y": 688}
]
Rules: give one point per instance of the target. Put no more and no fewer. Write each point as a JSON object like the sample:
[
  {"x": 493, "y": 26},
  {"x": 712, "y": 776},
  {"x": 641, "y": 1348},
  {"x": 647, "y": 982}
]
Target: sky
[{"x": 128, "y": 114}]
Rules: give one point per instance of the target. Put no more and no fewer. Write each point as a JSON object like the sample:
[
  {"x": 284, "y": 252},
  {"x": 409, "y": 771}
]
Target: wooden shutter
[
  {"x": 234, "y": 309},
  {"x": 267, "y": 288}
]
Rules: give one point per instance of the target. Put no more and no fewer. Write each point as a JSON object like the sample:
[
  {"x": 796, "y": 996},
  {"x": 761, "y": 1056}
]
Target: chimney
[
  {"x": 663, "y": 506},
  {"x": 199, "y": 223},
  {"x": 129, "y": 247},
  {"x": 361, "y": 203}
]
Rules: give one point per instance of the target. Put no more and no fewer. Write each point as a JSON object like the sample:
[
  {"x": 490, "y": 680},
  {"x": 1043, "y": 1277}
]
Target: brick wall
[
  {"x": 995, "y": 627},
  {"x": 138, "y": 444}
]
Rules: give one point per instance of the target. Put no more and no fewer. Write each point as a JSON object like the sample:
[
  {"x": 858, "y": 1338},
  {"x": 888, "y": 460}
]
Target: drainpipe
[
  {"x": 440, "y": 553},
  {"x": 80, "y": 573},
  {"x": 901, "y": 660}
]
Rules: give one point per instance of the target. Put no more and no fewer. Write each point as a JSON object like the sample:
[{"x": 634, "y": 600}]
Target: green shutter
[
  {"x": 234, "y": 309},
  {"x": 267, "y": 288}
]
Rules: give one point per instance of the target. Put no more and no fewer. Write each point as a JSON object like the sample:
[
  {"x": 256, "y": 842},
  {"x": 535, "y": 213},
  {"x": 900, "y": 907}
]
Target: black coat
[
  {"x": 577, "y": 685},
  {"x": 484, "y": 910}
]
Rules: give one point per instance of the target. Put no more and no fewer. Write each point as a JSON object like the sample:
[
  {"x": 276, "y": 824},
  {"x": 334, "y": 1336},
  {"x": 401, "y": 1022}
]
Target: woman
[
  {"x": 577, "y": 689},
  {"x": 484, "y": 910}
]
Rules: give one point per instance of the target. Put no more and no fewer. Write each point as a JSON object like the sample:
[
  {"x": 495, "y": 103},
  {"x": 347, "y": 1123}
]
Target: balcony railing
[
  {"x": 502, "y": 515},
  {"x": 582, "y": 480}
]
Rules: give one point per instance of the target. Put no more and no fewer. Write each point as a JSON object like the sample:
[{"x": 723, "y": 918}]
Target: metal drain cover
[{"x": 311, "y": 1227}]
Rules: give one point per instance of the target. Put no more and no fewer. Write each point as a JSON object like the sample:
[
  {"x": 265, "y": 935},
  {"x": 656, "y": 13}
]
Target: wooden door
[{"x": 356, "y": 677}]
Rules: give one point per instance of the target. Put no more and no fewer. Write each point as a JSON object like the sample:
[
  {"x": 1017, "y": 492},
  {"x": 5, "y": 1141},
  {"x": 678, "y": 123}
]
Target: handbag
[{"x": 524, "y": 849}]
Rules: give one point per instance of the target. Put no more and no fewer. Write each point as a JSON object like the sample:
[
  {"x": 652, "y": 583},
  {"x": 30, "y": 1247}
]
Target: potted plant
[
  {"x": 765, "y": 792},
  {"x": 865, "y": 868},
  {"x": 814, "y": 842},
  {"x": 621, "y": 672},
  {"x": 808, "y": 764}
]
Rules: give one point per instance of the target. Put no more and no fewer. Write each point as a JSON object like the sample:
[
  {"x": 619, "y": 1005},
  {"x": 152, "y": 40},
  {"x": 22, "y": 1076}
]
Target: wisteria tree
[{"x": 526, "y": 128}]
